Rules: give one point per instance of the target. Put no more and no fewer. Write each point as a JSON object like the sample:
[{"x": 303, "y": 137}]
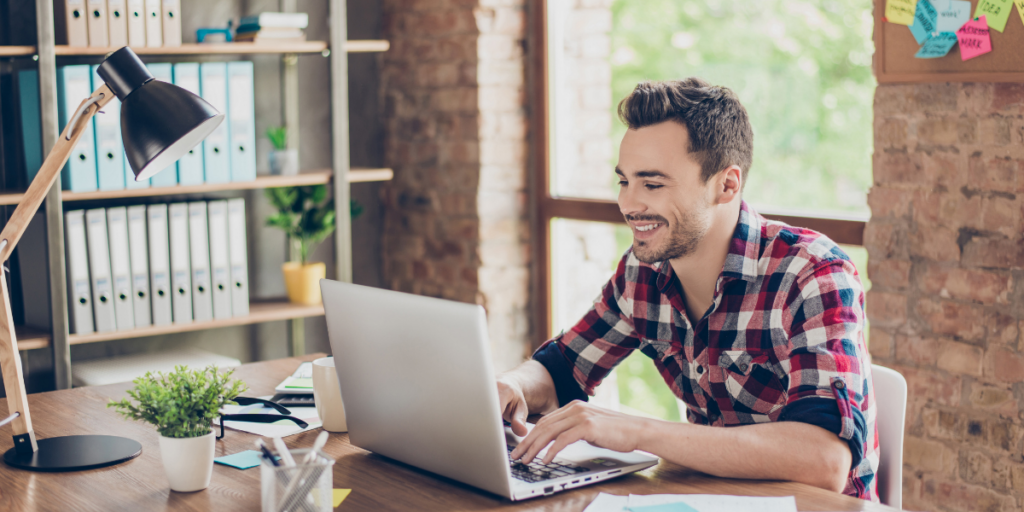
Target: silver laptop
[{"x": 418, "y": 387}]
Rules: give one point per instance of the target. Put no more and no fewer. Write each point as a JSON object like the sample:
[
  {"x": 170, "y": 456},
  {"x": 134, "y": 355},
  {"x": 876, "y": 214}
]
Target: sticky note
[
  {"x": 665, "y": 507},
  {"x": 1020, "y": 9},
  {"x": 900, "y": 11},
  {"x": 937, "y": 46},
  {"x": 241, "y": 460},
  {"x": 300, "y": 383},
  {"x": 339, "y": 496},
  {"x": 925, "y": 18},
  {"x": 974, "y": 39},
  {"x": 953, "y": 15},
  {"x": 995, "y": 11}
]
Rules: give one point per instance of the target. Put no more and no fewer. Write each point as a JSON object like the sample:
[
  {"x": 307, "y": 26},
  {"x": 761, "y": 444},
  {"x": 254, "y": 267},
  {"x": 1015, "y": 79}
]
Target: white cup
[{"x": 327, "y": 395}]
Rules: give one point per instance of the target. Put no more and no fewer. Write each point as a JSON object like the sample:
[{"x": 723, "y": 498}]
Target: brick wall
[
  {"x": 947, "y": 269},
  {"x": 456, "y": 224}
]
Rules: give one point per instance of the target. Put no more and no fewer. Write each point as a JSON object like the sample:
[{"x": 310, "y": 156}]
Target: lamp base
[{"x": 75, "y": 453}]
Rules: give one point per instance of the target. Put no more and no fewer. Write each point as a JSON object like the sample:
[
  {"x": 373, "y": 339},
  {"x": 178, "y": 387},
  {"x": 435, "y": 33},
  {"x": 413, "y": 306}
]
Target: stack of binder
[
  {"x": 156, "y": 264},
  {"x": 117, "y": 23},
  {"x": 98, "y": 161}
]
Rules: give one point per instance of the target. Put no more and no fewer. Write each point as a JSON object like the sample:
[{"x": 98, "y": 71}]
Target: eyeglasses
[{"x": 260, "y": 418}]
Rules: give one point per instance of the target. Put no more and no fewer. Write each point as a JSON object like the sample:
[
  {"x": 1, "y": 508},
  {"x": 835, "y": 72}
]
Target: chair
[{"x": 891, "y": 400}]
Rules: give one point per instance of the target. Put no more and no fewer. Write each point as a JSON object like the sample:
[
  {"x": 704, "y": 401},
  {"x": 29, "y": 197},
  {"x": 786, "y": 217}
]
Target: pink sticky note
[{"x": 974, "y": 38}]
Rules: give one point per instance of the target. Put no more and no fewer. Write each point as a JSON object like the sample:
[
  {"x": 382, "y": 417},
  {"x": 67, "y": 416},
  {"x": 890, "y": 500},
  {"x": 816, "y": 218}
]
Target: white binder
[
  {"x": 181, "y": 282},
  {"x": 99, "y": 270},
  {"x": 172, "y": 22},
  {"x": 139, "y": 253},
  {"x": 117, "y": 23},
  {"x": 159, "y": 264},
  {"x": 80, "y": 288},
  {"x": 220, "y": 263},
  {"x": 241, "y": 115},
  {"x": 237, "y": 254},
  {"x": 136, "y": 23},
  {"x": 70, "y": 23},
  {"x": 120, "y": 267},
  {"x": 199, "y": 245},
  {"x": 154, "y": 20},
  {"x": 97, "y": 14}
]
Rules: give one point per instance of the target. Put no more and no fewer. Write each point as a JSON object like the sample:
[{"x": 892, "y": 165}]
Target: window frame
[{"x": 545, "y": 207}]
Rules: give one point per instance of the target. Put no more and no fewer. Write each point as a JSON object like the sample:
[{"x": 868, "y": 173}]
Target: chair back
[{"x": 891, "y": 401}]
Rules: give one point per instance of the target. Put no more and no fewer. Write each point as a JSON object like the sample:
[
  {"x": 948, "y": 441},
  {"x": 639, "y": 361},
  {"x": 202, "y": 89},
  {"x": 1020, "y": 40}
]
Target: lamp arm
[{"x": 10, "y": 361}]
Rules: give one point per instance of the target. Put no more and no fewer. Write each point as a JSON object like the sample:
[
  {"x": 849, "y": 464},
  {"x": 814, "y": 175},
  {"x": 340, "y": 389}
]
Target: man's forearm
[
  {"x": 791, "y": 451},
  {"x": 537, "y": 385}
]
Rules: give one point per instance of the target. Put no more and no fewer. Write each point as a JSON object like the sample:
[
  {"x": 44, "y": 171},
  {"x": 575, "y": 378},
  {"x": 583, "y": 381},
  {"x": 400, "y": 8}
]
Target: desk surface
[{"x": 377, "y": 483}]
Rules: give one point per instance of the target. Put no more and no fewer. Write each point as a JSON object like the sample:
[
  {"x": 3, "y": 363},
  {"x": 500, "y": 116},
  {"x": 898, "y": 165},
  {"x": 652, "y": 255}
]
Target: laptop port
[
  {"x": 575, "y": 481},
  {"x": 617, "y": 471},
  {"x": 587, "y": 479},
  {"x": 549, "y": 490}
]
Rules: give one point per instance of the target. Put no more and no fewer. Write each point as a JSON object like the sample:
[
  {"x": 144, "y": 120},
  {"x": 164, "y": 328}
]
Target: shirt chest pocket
[{"x": 751, "y": 382}]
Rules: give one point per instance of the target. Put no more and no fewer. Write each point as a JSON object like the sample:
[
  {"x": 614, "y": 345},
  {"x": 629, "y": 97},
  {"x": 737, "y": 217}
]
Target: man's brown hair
[{"x": 720, "y": 132}]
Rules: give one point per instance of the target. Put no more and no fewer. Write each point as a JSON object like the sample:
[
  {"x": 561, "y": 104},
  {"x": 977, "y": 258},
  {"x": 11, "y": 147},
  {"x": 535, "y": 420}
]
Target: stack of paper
[{"x": 690, "y": 503}]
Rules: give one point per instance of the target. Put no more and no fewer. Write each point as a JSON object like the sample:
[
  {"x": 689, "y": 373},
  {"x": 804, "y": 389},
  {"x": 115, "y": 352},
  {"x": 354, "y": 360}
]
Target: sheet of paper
[
  {"x": 241, "y": 460},
  {"x": 605, "y": 502},
  {"x": 713, "y": 503},
  {"x": 937, "y": 46},
  {"x": 974, "y": 39},
  {"x": 996, "y": 12},
  {"x": 900, "y": 11},
  {"x": 282, "y": 428},
  {"x": 678, "y": 506},
  {"x": 299, "y": 383},
  {"x": 953, "y": 15},
  {"x": 339, "y": 496},
  {"x": 925, "y": 18}
]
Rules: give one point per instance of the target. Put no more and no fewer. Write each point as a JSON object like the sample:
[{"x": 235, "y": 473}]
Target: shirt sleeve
[
  {"x": 580, "y": 358},
  {"x": 826, "y": 363}
]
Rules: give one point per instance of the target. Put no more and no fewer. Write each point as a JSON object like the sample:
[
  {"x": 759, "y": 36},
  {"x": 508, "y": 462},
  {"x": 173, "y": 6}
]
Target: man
[{"x": 755, "y": 325}]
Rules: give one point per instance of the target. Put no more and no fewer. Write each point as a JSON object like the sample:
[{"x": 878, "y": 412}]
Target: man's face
[{"x": 661, "y": 194}]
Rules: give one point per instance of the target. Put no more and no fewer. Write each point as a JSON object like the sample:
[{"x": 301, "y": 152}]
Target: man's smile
[{"x": 645, "y": 230}]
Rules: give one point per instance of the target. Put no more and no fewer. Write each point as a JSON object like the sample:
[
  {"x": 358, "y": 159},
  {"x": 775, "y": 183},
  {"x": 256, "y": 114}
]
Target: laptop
[{"x": 418, "y": 387}]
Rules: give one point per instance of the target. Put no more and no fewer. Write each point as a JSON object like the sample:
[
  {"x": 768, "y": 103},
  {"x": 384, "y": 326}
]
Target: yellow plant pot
[{"x": 303, "y": 281}]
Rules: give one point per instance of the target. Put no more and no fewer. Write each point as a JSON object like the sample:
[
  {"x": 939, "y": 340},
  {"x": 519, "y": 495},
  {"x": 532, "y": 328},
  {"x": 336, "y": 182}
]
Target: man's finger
[
  {"x": 540, "y": 437},
  {"x": 564, "y": 439},
  {"x": 518, "y": 420}
]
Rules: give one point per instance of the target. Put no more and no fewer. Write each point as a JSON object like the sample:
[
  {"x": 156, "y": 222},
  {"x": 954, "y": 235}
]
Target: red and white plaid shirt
[{"x": 782, "y": 341}]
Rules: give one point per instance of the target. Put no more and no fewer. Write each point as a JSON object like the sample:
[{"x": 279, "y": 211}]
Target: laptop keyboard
[{"x": 537, "y": 472}]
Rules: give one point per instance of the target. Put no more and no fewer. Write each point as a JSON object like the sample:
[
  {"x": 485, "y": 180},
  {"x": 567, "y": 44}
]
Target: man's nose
[{"x": 629, "y": 204}]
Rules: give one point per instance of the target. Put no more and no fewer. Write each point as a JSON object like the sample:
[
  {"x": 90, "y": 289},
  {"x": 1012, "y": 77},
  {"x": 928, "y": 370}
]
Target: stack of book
[{"x": 273, "y": 27}]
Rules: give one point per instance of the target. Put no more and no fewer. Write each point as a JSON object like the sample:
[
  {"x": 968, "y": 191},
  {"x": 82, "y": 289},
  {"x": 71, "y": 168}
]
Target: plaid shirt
[{"x": 782, "y": 341}]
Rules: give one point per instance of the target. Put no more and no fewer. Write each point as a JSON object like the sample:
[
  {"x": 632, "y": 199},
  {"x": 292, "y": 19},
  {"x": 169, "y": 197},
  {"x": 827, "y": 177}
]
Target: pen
[
  {"x": 282, "y": 450},
  {"x": 266, "y": 452},
  {"x": 321, "y": 440}
]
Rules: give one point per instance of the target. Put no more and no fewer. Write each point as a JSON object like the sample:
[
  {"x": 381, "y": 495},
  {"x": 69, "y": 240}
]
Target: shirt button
[
  {"x": 700, "y": 369},
  {"x": 743, "y": 367},
  {"x": 839, "y": 384}
]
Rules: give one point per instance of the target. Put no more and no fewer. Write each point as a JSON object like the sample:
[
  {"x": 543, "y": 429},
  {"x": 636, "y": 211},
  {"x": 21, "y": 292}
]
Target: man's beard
[{"x": 681, "y": 241}]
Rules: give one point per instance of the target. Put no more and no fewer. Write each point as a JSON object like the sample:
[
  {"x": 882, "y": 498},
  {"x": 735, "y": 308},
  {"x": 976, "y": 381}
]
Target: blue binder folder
[
  {"x": 242, "y": 116},
  {"x": 190, "y": 166},
  {"x": 73, "y": 86},
  {"x": 31, "y": 124},
  {"x": 216, "y": 157},
  {"x": 109, "y": 152},
  {"x": 169, "y": 176}
]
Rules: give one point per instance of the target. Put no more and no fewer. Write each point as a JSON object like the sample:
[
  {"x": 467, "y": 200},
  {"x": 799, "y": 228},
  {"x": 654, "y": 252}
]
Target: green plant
[
  {"x": 305, "y": 215},
  {"x": 278, "y": 136},
  {"x": 182, "y": 403}
]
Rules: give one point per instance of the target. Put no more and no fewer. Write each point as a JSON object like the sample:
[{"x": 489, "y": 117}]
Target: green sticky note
[
  {"x": 241, "y": 460},
  {"x": 995, "y": 11},
  {"x": 901, "y": 11},
  {"x": 339, "y": 496},
  {"x": 300, "y": 383}
]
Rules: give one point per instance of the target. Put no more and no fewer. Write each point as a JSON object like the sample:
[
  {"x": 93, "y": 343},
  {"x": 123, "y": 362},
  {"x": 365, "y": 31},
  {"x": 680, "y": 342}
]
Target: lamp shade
[{"x": 160, "y": 122}]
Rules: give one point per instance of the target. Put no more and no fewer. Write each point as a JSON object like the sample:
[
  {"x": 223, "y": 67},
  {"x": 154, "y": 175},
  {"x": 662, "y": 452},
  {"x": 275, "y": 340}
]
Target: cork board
[{"x": 895, "y": 48}]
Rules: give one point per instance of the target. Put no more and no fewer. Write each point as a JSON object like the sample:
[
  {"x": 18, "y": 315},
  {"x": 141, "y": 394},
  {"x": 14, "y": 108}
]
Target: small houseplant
[
  {"x": 182, "y": 406},
  {"x": 283, "y": 161},
  {"x": 306, "y": 215}
]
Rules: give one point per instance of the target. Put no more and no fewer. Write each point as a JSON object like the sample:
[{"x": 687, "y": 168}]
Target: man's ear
[{"x": 728, "y": 184}]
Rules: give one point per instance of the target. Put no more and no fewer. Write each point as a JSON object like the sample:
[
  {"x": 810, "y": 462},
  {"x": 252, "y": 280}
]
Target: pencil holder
[{"x": 300, "y": 488}]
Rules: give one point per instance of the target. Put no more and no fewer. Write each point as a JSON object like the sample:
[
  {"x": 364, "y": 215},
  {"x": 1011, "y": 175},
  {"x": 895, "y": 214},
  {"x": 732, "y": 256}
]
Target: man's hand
[
  {"x": 576, "y": 421},
  {"x": 526, "y": 389},
  {"x": 513, "y": 405}
]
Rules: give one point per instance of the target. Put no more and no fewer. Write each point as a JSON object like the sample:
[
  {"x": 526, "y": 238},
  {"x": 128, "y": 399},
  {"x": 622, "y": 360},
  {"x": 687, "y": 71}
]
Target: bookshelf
[{"x": 337, "y": 173}]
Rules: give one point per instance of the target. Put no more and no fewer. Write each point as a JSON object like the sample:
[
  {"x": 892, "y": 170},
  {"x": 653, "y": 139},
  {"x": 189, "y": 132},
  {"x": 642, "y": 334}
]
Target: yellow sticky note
[
  {"x": 339, "y": 496},
  {"x": 1020, "y": 9},
  {"x": 900, "y": 11},
  {"x": 995, "y": 11}
]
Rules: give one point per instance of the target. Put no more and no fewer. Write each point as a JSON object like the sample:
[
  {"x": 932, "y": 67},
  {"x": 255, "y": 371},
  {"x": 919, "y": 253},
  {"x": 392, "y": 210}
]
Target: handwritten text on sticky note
[
  {"x": 953, "y": 16},
  {"x": 937, "y": 46},
  {"x": 995, "y": 11},
  {"x": 900, "y": 11},
  {"x": 924, "y": 21},
  {"x": 974, "y": 39},
  {"x": 1020, "y": 9}
]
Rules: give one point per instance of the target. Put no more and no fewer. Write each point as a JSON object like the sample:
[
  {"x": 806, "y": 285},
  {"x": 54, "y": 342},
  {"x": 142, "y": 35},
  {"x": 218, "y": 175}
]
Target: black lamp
[{"x": 160, "y": 122}]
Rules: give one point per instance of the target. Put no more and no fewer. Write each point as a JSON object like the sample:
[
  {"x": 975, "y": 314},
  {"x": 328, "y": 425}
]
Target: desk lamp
[{"x": 160, "y": 122}]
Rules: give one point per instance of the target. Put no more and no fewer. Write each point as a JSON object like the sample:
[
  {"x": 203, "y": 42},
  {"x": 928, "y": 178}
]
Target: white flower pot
[
  {"x": 188, "y": 461},
  {"x": 284, "y": 162}
]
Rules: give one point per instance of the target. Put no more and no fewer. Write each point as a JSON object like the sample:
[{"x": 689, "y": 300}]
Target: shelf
[
  {"x": 358, "y": 175},
  {"x": 17, "y": 51},
  {"x": 259, "y": 312},
  {"x": 30, "y": 338},
  {"x": 354, "y": 46}
]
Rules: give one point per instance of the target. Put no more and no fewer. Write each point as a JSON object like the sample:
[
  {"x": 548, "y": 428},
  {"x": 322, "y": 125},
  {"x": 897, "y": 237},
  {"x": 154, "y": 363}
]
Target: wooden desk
[{"x": 377, "y": 483}]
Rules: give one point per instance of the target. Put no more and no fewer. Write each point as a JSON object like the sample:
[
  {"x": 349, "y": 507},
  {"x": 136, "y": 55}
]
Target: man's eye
[
  {"x": 651, "y": 186},
  {"x": 623, "y": 183}
]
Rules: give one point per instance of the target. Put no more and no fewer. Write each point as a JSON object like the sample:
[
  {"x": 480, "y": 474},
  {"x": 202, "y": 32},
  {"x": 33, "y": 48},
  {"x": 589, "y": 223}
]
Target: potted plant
[
  {"x": 307, "y": 217},
  {"x": 182, "y": 405},
  {"x": 283, "y": 161}
]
